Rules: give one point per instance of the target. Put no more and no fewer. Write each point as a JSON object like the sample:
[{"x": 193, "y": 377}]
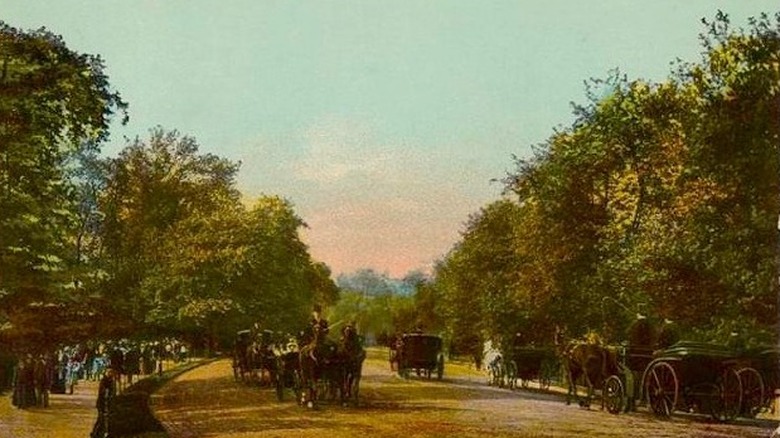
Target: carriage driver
[
  {"x": 349, "y": 337},
  {"x": 317, "y": 321}
]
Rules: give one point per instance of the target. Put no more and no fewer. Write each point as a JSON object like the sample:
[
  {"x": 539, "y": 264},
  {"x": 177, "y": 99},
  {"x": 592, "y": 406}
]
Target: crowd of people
[{"x": 36, "y": 375}]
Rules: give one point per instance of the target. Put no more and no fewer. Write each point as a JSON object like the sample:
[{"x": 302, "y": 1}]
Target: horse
[
  {"x": 593, "y": 363},
  {"x": 496, "y": 370},
  {"x": 395, "y": 347},
  {"x": 319, "y": 362},
  {"x": 352, "y": 356}
]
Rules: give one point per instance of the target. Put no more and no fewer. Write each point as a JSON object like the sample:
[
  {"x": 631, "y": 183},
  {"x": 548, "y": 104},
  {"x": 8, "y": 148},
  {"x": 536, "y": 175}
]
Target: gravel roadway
[{"x": 207, "y": 402}]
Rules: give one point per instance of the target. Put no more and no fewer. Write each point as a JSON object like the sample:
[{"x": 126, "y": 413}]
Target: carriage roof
[
  {"x": 698, "y": 349},
  {"x": 420, "y": 351},
  {"x": 422, "y": 337},
  {"x": 422, "y": 341}
]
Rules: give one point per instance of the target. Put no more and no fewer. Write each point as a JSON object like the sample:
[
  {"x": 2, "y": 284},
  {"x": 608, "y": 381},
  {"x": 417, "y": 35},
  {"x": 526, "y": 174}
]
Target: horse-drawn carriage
[
  {"x": 690, "y": 377},
  {"x": 420, "y": 353},
  {"x": 254, "y": 359},
  {"x": 329, "y": 369},
  {"x": 527, "y": 363}
]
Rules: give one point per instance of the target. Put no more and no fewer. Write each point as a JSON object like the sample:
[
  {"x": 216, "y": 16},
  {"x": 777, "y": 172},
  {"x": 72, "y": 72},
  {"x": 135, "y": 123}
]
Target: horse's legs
[
  {"x": 589, "y": 394},
  {"x": 572, "y": 386}
]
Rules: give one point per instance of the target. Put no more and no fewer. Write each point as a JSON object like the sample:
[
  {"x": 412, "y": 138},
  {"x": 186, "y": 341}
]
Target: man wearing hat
[{"x": 318, "y": 322}]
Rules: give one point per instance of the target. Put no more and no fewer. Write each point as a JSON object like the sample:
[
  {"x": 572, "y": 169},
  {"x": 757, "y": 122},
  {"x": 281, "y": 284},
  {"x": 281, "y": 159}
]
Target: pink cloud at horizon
[{"x": 390, "y": 237}]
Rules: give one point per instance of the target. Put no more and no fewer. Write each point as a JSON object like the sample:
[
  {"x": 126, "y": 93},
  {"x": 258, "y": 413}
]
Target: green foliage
[
  {"x": 379, "y": 305},
  {"x": 660, "y": 199},
  {"x": 55, "y": 107},
  {"x": 186, "y": 256}
]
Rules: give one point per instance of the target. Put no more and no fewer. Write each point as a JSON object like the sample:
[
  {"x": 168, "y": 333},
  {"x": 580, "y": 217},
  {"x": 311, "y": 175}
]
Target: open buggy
[
  {"x": 420, "y": 353},
  {"x": 688, "y": 377}
]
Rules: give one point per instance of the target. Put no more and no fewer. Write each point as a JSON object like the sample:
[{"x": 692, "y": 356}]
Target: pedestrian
[
  {"x": 105, "y": 399},
  {"x": 116, "y": 361},
  {"x": 132, "y": 363},
  {"x": 19, "y": 397},
  {"x": 44, "y": 376},
  {"x": 72, "y": 372}
]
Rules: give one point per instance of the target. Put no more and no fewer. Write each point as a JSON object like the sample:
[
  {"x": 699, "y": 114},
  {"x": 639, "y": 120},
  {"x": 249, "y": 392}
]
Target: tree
[
  {"x": 167, "y": 229},
  {"x": 55, "y": 105},
  {"x": 660, "y": 199}
]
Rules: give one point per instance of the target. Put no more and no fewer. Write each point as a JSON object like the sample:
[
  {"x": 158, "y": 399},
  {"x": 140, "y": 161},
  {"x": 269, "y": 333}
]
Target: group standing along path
[
  {"x": 208, "y": 402},
  {"x": 68, "y": 415}
]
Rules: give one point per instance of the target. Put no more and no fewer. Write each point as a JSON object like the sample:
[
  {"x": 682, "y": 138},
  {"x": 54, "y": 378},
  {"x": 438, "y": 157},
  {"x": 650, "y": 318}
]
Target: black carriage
[
  {"x": 689, "y": 377},
  {"x": 694, "y": 377},
  {"x": 254, "y": 359},
  {"x": 529, "y": 363},
  {"x": 422, "y": 354}
]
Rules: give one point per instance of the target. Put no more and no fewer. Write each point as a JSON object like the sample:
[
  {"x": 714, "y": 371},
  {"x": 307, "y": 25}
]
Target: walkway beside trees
[{"x": 68, "y": 416}]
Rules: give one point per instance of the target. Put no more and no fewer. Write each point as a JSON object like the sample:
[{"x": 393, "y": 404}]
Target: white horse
[{"x": 492, "y": 363}]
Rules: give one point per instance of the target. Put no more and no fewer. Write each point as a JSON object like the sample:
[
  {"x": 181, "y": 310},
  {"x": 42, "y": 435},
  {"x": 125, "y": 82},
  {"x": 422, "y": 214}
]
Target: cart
[
  {"x": 694, "y": 377},
  {"x": 422, "y": 354},
  {"x": 529, "y": 363}
]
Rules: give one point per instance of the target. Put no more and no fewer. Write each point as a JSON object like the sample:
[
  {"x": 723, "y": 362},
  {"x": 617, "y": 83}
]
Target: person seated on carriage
[
  {"x": 315, "y": 341},
  {"x": 641, "y": 333},
  {"x": 668, "y": 335},
  {"x": 317, "y": 322},
  {"x": 349, "y": 337}
]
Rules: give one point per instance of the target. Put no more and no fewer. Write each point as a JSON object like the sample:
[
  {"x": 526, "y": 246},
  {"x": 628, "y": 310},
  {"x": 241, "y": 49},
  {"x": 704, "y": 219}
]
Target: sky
[{"x": 385, "y": 123}]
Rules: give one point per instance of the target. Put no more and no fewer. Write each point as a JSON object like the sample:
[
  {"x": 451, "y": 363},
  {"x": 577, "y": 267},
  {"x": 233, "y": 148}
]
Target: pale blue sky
[{"x": 383, "y": 122}]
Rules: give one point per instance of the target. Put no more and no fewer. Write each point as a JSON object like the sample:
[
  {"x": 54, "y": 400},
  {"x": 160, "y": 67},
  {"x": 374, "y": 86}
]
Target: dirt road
[
  {"x": 206, "y": 402},
  {"x": 68, "y": 416}
]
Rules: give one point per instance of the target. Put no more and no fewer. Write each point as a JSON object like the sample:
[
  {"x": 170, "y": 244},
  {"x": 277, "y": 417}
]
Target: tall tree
[
  {"x": 55, "y": 105},
  {"x": 166, "y": 210}
]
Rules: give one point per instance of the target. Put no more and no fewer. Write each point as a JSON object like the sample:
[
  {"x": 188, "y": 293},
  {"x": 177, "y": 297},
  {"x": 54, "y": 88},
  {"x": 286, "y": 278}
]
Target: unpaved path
[
  {"x": 207, "y": 402},
  {"x": 68, "y": 415}
]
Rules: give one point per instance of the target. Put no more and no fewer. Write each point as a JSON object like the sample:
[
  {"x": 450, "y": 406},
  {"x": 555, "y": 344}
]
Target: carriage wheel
[
  {"x": 613, "y": 395},
  {"x": 440, "y": 367},
  {"x": 662, "y": 389},
  {"x": 752, "y": 392},
  {"x": 730, "y": 396},
  {"x": 403, "y": 371}
]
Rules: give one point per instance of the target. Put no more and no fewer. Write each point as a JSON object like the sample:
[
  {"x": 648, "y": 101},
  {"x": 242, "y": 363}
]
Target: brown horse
[
  {"x": 319, "y": 363},
  {"x": 589, "y": 364},
  {"x": 352, "y": 355}
]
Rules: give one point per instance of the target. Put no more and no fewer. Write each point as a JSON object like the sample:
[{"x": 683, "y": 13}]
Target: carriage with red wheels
[
  {"x": 421, "y": 354},
  {"x": 694, "y": 377}
]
